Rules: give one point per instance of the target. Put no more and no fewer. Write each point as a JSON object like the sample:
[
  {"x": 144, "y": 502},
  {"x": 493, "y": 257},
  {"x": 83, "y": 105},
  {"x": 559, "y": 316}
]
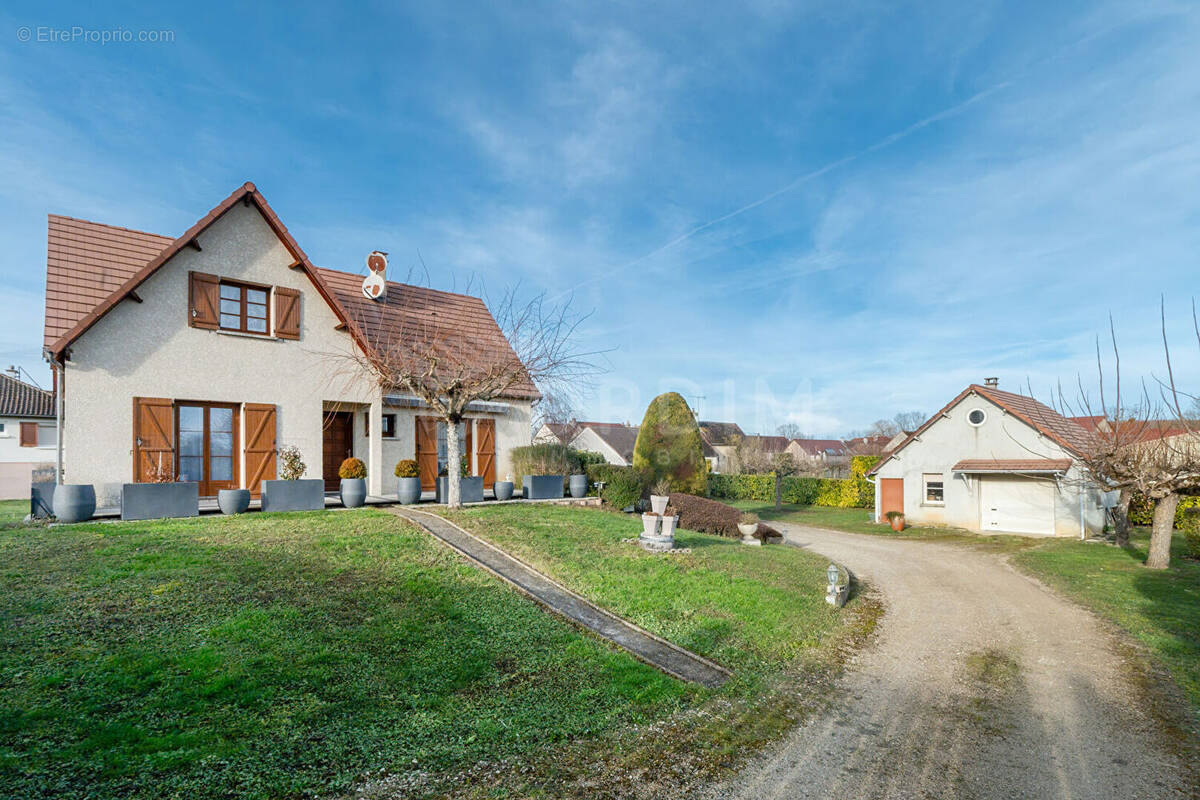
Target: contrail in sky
[{"x": 886, "y": 141}]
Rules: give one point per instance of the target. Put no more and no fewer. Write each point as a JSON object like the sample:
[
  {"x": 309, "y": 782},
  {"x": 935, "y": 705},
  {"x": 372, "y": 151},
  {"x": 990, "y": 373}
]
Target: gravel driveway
[{"x": 982, "y": 684}]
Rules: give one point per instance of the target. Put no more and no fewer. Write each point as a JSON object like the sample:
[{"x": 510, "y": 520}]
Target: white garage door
[{"x": 1018, "y": 505}]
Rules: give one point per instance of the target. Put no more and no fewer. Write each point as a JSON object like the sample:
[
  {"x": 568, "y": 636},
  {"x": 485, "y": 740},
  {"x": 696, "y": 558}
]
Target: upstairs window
[{"x": 244, "y": 308}]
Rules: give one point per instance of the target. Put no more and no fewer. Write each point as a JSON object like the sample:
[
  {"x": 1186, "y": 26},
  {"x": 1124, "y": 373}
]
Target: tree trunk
[
  {"x": 453, "y": 466},
  {"x": 1121, "y": 517},
  {"x": 1160, "y": 534},
  {"x": 778, "y": 491}
]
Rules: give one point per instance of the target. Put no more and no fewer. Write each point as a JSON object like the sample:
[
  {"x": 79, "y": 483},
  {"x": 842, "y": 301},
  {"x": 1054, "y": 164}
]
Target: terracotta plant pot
[{"x": 897, "y": 523}]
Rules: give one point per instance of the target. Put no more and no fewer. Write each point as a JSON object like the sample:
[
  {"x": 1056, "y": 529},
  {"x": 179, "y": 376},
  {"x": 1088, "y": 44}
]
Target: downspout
[
  {"x": 58, "y": 417},
  {"x": 875, "y": 494}
]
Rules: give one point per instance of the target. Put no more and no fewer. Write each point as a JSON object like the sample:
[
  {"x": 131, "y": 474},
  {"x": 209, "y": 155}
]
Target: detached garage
[{"x": 993, "y": 462}]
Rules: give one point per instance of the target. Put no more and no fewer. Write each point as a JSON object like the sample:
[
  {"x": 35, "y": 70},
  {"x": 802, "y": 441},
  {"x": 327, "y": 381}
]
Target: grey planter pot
[
  {"x": 41, "y": 499},
  {"x": 578, "y": 485},
  {"x": 233, "y": 501},
  {"x": 503, "y": 490},
  {"x": 408, "y": 490},
  {"x": 307, "y": 494},
  {"x": 159, "y": 500},
  {"x": 470, "y": 489},
  {"x": 74, "y": 502},
  {"x": 354, "y": 492},
  {"x": 542, "y": 487}
]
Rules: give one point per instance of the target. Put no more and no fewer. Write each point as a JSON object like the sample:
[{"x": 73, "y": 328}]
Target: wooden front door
[
  {"x": 427, "y": 451},
  {"x": 206, "y": 445},
  {"x": 338, "y": 446},
  {"x": 485, "y": 451},
  {"x": 891, "y": 496}
]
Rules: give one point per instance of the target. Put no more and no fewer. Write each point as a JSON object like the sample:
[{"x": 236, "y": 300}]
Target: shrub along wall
[
  {"x": 1141, "y": 512},
  {"x": 835, "y": 492}
]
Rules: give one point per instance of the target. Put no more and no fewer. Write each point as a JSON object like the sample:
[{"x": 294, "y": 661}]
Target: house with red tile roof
[
  {"x": 27, "y": 434},
  {"x": 204, "y": 353},
  {"x": 830, "y": 457},
  {"x": 613, "y": 440},
  {"x": 993, "y": 461}
]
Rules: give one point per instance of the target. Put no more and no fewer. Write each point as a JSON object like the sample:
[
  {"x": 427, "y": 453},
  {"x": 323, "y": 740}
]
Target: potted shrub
[
  {"x": 408, "y": 481},
  {"x": 470, "y": 488},
  {"x": 353, "y": 473},
  {"x": 578, "y": 485},
  {"x": 896, "y": 520},
  {"x": 293, "y": 492},
  {"x": 161, "y": 497},
  {"x": 660, "y": 495},
  {"x": 233, "y": 501},
  {"x": 503, "y": 490},
  {"x": 74, "y": 502},
  {"x": 748, "y": 526}
]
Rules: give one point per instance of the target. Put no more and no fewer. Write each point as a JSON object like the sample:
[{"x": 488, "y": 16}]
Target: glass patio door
[{"x": 206, "y": 436}]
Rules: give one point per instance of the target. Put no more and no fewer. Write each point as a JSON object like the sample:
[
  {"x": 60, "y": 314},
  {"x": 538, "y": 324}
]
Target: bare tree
[
  {"x": 412, "y": 345},
  {"x": 909, "y": 420},
  {"x": 555, "y": 408},
  {"x": 1148, "y": 446},
  {"x": 791, "y": 430}
]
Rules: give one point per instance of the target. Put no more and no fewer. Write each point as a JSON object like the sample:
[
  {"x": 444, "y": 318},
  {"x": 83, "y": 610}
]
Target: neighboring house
[
  {"x": 993, "y": 461},
  {"x": 719, "y": 441},
  {"x": 27, "y": 435},
  {"x": 203, "y": 354},
  {"x": 828, "y": 456},
  {"x": 874, "y": 445},
  {"x": 613, "y": 440}
]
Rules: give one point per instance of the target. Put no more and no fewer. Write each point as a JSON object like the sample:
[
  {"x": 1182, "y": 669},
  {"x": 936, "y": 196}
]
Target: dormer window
[{"x": 245, "y": 308}]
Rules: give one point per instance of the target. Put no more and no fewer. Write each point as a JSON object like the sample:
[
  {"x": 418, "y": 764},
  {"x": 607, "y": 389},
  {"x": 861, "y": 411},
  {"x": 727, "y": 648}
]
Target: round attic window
[{"x": 976, "y": 417}]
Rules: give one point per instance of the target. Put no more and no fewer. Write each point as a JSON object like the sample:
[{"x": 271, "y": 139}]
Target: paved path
[
  {"x": 645, "y": 646},
  {"x": 982, "y": 684}
]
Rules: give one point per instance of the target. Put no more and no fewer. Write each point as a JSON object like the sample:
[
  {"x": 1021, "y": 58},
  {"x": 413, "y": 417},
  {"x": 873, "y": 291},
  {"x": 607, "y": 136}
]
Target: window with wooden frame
[
  {"x": 245, "y": 308},
  {"x": 935, "y": 494},
  {"x": 389, "y": 425}
]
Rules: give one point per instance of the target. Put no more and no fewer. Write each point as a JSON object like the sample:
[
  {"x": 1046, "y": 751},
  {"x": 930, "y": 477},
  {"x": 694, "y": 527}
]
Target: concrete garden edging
[{"x": 643, "y": 645}]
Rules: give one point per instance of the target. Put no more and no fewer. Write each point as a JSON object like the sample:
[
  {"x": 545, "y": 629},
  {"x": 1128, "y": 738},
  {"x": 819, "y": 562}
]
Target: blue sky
[{"x": 813, "y": 212}]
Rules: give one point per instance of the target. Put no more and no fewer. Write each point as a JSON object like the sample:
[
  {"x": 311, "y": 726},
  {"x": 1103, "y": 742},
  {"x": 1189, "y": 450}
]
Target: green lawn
[
  {"x": 13, "y": 511},
  {"x": 758, "y": 610},
  {"x": 280, "y": 655},
  {"x": 1161, "y": 609}
]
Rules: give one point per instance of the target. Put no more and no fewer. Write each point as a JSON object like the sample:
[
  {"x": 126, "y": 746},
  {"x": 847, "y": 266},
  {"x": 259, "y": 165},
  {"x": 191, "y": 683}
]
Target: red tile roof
[
  {"x": 1013, "y": 465},
  {"x": 769, "y": 444},
  {"x": 91, "y": 267},
  {"x": 818, "y": 447},
  {"x": 85, "y": 263},
  {"x": 720, "y": 433}
]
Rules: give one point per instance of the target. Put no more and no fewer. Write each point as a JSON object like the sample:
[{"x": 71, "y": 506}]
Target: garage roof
[{"x": 1021, "y": 465}]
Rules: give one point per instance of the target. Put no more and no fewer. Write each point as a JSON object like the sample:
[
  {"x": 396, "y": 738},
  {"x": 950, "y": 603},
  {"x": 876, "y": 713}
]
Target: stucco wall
[
  {"x": 1001, "y": 436},
  {"x": 148, "y": 350},
  {"x": 10, "y": 442},
  {"x": 587, "y": 439}
]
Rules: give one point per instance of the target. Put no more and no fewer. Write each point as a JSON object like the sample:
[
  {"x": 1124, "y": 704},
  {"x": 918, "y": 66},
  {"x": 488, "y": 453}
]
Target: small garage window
[
  {"x": 976, "y": 416},
  {"x": 935, "y": 489}
]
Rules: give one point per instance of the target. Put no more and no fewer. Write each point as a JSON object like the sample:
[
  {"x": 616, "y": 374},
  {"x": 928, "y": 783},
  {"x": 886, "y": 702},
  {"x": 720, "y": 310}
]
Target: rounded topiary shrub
[
  {"x": 352, "y": 468},
  {"x": 669, "y": 446},
  {"x": 407, "y": 469}
]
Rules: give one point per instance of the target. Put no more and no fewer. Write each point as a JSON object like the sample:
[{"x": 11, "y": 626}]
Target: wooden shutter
[
  {"x": 287, "y": 313},
  {"x": 427, "y": 454},
  {"x": 485, "y": 450},
  {"x": 153, "y": 438},
  {"x": 29, "y": 434},
  {"x": 203, "y": 301},
  {"x": 260, "y": 444}
]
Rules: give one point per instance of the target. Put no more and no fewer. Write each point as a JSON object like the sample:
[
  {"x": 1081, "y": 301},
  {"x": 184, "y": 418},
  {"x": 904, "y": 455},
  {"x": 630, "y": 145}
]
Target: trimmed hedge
[
  {"x": 1190, "y": 525},
  {"x": 711, "y": 516},
  {"x": 834, "y": 492},
  {"x": 669, "y": 445},
  {"x": 1141, "y": 512},
  {"x": 623, "y": 486}
]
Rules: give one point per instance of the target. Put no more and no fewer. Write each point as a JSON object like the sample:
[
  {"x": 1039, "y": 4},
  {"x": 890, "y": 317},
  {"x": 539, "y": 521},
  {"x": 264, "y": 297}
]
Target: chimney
[
  {"x": 13, "y": 371},
  {"x": 992, "y": 382}
]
